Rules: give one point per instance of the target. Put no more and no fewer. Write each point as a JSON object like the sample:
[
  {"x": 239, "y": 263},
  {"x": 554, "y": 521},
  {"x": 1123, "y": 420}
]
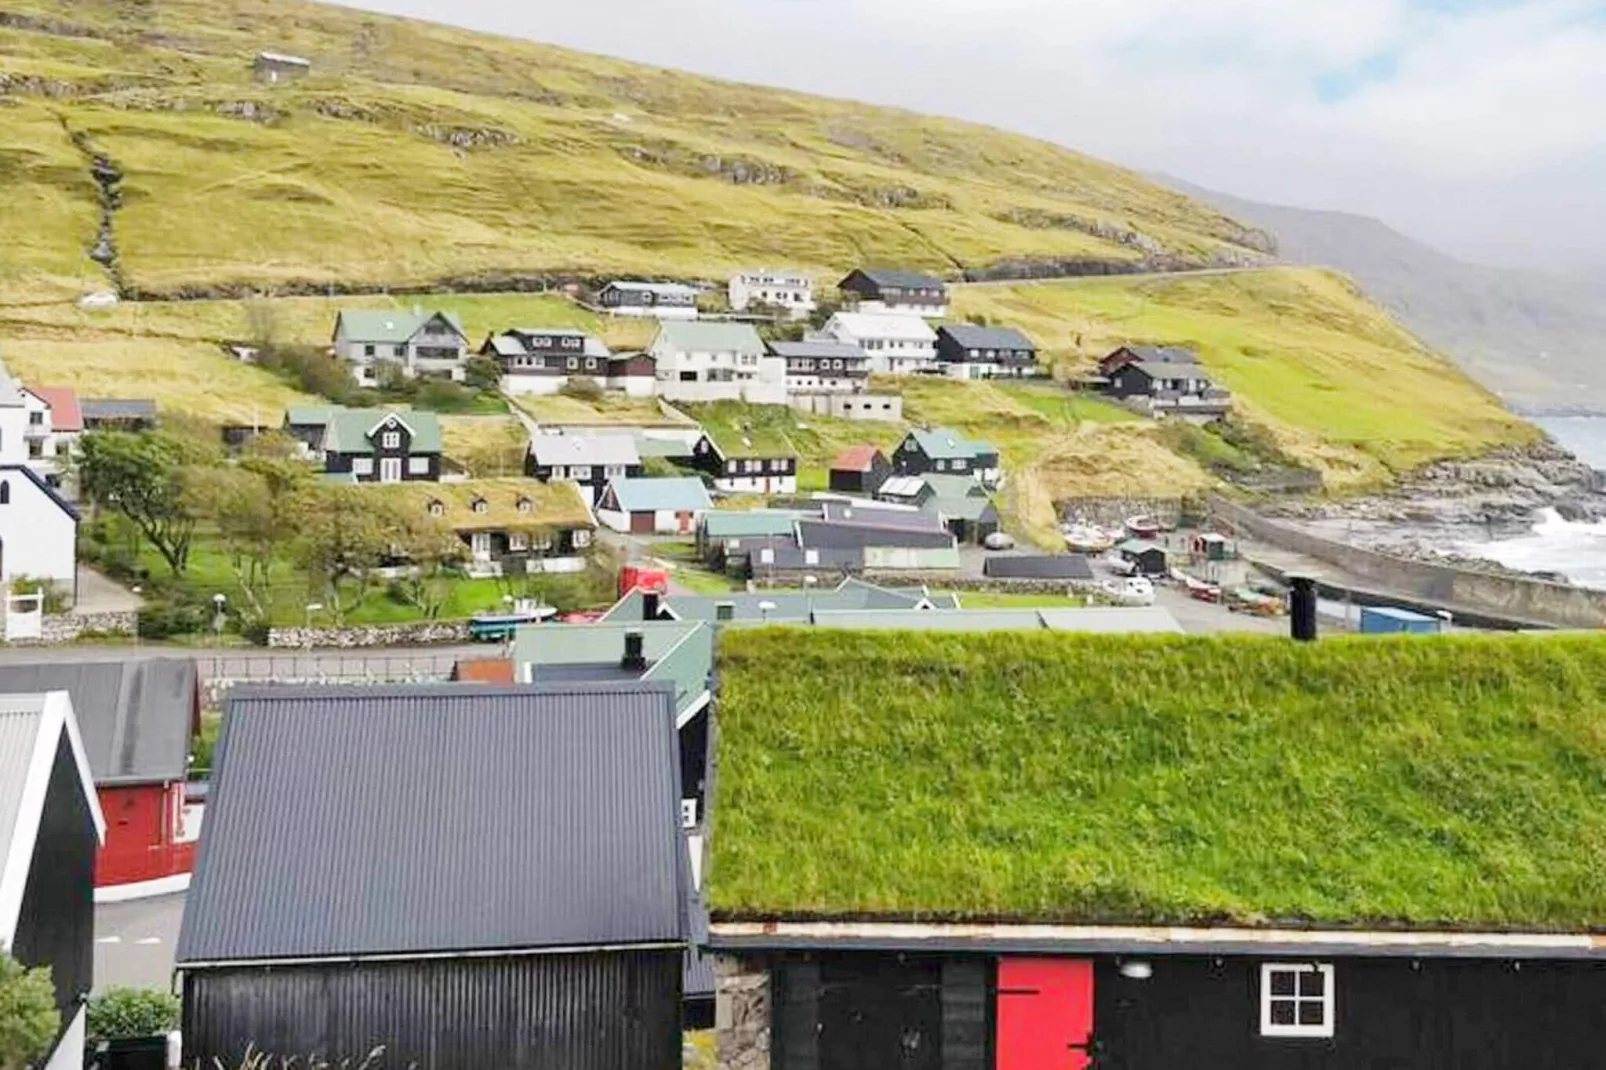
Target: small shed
[
  {"x": 1388, "y": 620},
  {"x": 1149, "y": 557},
  {"x": 669, "y": 505},
  {"x": 860, "y": 470},
  {"x": 525, "y": 904},
  {"x": 276, "y": 68},
  {"x": 1065, "y": 568}
]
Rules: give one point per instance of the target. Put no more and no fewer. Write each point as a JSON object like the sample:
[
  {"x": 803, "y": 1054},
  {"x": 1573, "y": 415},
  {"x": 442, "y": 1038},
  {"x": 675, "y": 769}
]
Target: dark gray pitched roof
[
  {"x": 135, "y": 716},
  {"x": 971, "y": 336},
  {"x": 822, "y": 350},
  {"x": 1170, "y": 370},
  {"x": 440, "y": 818},
  {"x": 118, "y": 408},
  {"x": 826, "y": 535},
  {"x": 1038, "y": 567},
  {"x": 1163, "y": 354},
  {"x": 906, "y": 280}
]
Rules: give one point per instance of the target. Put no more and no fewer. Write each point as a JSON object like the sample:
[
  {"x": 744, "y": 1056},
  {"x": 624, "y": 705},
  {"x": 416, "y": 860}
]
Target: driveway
[{"x": 135, "y": 942}]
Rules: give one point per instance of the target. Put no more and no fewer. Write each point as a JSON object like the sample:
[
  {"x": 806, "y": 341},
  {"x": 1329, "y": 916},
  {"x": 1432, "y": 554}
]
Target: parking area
[{"x": 135, "y": 942}]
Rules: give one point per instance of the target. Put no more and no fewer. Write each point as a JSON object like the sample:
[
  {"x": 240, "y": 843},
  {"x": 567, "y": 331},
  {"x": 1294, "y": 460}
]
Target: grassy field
[
  {"x": 610, "y": 408},
  {"x": 1373, "y": 781},
  {"x": 1343, "y": 387},
  {"x": 737, "y": 427},
  {"x": 418, "y": 152}
]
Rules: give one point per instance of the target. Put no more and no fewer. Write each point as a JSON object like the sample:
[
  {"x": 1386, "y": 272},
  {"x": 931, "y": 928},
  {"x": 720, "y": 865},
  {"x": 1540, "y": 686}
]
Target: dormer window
[
  {"x": 437, "y": 507},
  {"x": 525, "y": 505},
  {"x": 479, "y": 505},
  {"x": 390, "y": 440}
]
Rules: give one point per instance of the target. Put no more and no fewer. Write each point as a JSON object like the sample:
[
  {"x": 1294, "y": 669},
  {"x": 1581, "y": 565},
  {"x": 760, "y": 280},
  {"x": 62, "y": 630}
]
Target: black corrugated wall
[{"x": 602, "y": 1011}]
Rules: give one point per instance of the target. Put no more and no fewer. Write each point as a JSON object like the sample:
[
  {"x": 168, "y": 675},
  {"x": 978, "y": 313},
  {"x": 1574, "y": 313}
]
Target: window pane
[
  {"x": 1313, "y": 983},
  {"x": 1310, "y": 1012},
  {"x": 1282, "y": 983},
  {"x": 1282, "y": 1012}
]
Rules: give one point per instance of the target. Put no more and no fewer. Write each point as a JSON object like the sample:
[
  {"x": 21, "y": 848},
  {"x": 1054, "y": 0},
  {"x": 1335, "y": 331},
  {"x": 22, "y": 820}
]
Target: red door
[{"x": 1045, "y": 1014}]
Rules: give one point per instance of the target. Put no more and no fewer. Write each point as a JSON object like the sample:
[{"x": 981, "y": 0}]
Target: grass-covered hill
[
  {"x": 1457, "y": 782},
  {"x": 417, "y": 152}
]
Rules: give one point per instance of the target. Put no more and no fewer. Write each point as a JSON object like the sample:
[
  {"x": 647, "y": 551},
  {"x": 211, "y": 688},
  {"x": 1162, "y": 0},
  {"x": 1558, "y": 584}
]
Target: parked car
[
  {"x": 999, "y": 540},
  {"x": 1132, "y": 590}
]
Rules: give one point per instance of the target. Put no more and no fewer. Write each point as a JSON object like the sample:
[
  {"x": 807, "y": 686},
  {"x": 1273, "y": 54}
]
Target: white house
[
  {"x": 717, "y": 362},
  {"x": 900, "y": 344},
  {"x": 419, "y": 342},
  {"x": 55, "y": 422},
  {"x": 660, "y": 506},
  {"x": 658, "y": 300},
  {"x": 38, "y": 530},
  {"x": 790, "y": 290}
]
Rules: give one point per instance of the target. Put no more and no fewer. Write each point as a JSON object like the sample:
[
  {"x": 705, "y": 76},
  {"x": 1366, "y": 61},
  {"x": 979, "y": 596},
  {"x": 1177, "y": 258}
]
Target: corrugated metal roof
[
  {"x": 974, "y": 336},
  {"x": 650, "y": 495},
  {"x": 592, "y": 450},
  {"x": 117, "y": 409},
  {"x": 906, "y": 280},
  {"x": 699, "y": 337},
  {"x": 20, "y": 718},
  {"x": 754, "y": 523},
  {"x": 818, "y": 349},
  {"x": 370, "y": 821},
  {"x": 1039, "y": 567},
  {"x": 135, "y": 716}
]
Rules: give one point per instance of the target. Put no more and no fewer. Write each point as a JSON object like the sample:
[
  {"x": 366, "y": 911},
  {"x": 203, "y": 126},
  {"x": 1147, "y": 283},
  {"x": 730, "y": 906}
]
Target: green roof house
[
  {"x": 369, "y": 445},
  {"x": 944, "y": 451},
  {"x": 416, "y": 342},
  {"x": 698, "y": 361}
]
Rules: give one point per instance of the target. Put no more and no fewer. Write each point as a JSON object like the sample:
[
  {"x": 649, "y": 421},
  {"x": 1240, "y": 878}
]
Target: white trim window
[
  {"x": 418, "y": 466},
  {"x": 362, "y": 466},
  {"x": 1296, "y": 999},
  {"x": 391, "y": 440}
]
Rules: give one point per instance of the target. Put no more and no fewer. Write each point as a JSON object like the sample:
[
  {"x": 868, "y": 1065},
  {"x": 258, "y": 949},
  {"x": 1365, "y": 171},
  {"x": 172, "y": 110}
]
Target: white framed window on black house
[{"x": 1296, "y": 999}]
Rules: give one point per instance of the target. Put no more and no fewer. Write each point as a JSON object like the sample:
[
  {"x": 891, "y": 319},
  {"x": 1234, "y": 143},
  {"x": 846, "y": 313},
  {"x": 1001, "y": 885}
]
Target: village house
[
  {"x": 1124, "y": 355},
  {"x": 590, "y": 461},
  {"x": 536, "y": 850},
  {"x": 668, "y": 505},
  {"x": 118, "y": 414},
  {"x": 415, "y": 343},
  {"x": 790, "y": 291},
  {"x": 882, "y": 290},
  {"x": 897, "y": 344},
  {"x": 55, "y": 424},
  {"x": 746, "y": 460},
  {"x": 823, "y": 366},
  {"x": 1006, "y": 908},
  {"x": 137, "y": 719},
  {"x": 964, "y": 505},
  {"x": 543, "y": 360},
  {"x": 1169, "y": 387},
  {"x": 945, "y": 451},
  {"x": 724, "y": 534},
  {"x": 716, "y": 362},
  {"x": 657, "y": 300},
  {"x": 50, "y": 829},
  {"x": 859, "y": 470},
  {"x": 968, "y": 351},
  {"x": 889, "y": 538},
  {"x": 277, "y": 68},
  {"x": 775, "y": 606},
  {"x": 510, "y": 526},
  {"x": 369, "y": 445},
  {"x": 38, "y": 531}
]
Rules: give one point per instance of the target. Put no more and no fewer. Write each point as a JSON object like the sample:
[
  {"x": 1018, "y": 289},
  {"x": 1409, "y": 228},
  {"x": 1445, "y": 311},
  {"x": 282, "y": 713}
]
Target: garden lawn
[{"x": 1380, "y": 781}]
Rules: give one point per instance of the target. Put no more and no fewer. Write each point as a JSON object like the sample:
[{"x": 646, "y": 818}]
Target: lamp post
[{"x": 218, "y": 602}]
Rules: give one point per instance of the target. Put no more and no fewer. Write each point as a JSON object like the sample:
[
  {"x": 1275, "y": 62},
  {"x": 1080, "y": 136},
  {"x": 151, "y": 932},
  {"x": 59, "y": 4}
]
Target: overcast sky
[{"x": 1478, "y": 125}]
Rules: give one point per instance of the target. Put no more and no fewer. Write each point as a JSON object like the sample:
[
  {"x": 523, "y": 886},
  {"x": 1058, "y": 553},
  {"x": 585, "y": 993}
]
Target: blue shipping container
[{"x": 1381, "y": 620}]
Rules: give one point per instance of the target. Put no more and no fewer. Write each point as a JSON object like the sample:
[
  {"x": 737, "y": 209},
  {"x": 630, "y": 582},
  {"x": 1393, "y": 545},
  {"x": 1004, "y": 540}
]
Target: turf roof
[{"x": 1445, "y": 782}]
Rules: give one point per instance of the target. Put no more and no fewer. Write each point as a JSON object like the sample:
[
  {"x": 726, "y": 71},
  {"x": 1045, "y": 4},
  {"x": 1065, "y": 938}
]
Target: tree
[
  {"x": 29, "y": 1020},
  {"x": 482, "y": 373},
  {"x": 256, "y": 509},
  {"x": 132, "y": 1012},
  {"x": 342, "y": 541},
  {"x": 142, "y": 476},
  {"x": 435, "y": 553}
]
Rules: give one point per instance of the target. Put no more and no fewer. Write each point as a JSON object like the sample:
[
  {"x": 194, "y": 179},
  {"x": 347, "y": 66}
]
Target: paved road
[{"x": 134, "y": 942}]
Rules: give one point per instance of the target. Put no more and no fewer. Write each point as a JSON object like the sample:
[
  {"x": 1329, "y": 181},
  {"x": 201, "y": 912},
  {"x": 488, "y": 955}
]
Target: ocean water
[{"x": 1575, "y": 550}]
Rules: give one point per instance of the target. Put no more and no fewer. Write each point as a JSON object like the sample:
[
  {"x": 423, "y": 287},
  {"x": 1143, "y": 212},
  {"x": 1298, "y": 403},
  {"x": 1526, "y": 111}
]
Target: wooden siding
[{"x": 604, "y": 1011}]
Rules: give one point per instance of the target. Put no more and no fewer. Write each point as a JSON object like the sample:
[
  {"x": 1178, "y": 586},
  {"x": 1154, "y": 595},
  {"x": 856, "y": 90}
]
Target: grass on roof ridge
[{"x": 1456, "y": 782}]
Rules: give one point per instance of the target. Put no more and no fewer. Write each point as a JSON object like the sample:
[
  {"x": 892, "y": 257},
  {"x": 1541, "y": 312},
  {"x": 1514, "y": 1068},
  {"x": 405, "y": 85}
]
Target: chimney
[
  {"x": 724, "y": 610},
  {"x": 635, "y": 659},
  {"x": 1302, "y": 607},
  {"x": 649, "y": 605}
]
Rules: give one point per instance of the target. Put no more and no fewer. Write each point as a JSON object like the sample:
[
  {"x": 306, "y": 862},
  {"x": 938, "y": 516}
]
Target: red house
[{"x": 137, "y": 719}]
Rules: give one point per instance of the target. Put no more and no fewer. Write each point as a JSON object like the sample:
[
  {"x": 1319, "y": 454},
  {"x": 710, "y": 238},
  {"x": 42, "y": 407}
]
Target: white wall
[
  {"x": 14, "y": 434},
  {"x": 69, "y": 1053},
  {"x": 635, "y": 386},
  {"x": 533, "y": 384},
  {"x": 757, "y": 484},
  {"x": 37, "y": 537},
  {"x": 795, "y": 294}
]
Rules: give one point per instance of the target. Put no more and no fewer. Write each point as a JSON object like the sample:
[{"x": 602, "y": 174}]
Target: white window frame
[
  {"x": 580, "y": 472},
  {"x": 418, "y": 466},
  {"x": 1327, "y": 1000},
  {"x": 517, "y": 542},
  {"x": 362, "y": 466},
  {"x": 390, "y": 440}
]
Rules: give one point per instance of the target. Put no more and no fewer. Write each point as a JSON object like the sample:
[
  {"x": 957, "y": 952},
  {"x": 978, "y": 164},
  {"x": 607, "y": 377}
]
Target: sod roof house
[
  {"x": 531, "y": 880},
  {"x": 508, "y": 525},
  {"x": 1029, "y": 850},
  {"x": 774, "y": 606}
]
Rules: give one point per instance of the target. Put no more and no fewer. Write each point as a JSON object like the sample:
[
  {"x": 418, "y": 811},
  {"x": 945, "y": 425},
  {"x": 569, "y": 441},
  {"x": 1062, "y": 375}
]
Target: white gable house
[
  {"x": 418, "y": 342},
  {"x": 899, "y": 344},
  {"x": 38, "y": 530},
  {"x": 717, "y": 362},
  {"x": 789, "y": 290}
]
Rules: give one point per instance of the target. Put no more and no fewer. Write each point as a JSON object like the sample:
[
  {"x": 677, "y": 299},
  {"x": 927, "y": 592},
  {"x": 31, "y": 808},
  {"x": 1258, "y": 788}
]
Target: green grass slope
[
  {"x": 1393, "y": 781},
  {"x": 419, "y": 152}
]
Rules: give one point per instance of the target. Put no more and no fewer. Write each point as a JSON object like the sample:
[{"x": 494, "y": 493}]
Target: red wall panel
[{"x": 142, "y": 822}]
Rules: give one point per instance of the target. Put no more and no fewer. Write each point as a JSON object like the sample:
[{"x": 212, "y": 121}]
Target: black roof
[
  {"x": 784, "y": 553},
  {"x": 880, "y": 515},
  {"x": 1163, "y": 354},
  {"x": 903, "y": 280},
  {"x": 438, "y": 818},
  {"x": 118, "y": 408},
  {"x": 826, "y": 535},
  {"x": 1038, "y": 567},
  {"x": 822, "y": 350},
  {"x": 135, "y": 716},
  {"x": 972, "y": 336},
  {"x": 39, "y": 481}
]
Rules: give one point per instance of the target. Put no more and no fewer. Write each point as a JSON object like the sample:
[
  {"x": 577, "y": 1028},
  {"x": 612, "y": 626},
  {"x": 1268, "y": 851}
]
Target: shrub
[
  {"x": 29, "y": 1020},
  {"x": 55, "y": 597},
  {"x": 171, "y": 617},
  {"x": 582, "y": 388},
  {"x": 482, "y": 373},
  {"x": 132, "y": 1012}
]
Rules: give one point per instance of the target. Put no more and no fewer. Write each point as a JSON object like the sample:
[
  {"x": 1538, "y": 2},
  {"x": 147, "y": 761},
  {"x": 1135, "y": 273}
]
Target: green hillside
[
  {"x": 416, "y": 152},
  {"x": 1425, "y": 782}
]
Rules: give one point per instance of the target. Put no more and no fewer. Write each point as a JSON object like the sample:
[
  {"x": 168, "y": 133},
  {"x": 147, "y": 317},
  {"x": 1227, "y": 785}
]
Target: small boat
[
  {"x": 1087, "y": 539},
  {"x": 494, "y": 627},
  {"x": 1143, "y": 527}
]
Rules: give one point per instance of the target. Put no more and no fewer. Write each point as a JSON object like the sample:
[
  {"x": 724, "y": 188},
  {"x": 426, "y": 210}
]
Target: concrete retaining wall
[{"x": 1535, "y": 602}]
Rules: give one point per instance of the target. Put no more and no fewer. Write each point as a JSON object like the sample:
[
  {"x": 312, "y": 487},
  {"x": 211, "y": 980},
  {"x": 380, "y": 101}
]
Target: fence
[{"x": 321, "y": 666}]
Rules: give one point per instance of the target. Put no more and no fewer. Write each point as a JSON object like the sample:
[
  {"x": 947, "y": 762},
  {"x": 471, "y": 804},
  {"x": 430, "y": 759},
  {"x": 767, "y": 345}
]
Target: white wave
[{"x": 1575, "y": 550}]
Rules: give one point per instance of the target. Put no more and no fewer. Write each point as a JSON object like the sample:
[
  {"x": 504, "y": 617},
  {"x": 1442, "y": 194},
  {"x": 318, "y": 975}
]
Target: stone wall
[
  {"x": 1512, "y": 599},
  {"x": 742, "y": 1014},
  {"x": 355, "y": 638},
  {"x": 69, "y": 627}
]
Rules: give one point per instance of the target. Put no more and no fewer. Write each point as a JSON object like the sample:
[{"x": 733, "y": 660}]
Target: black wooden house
[
  {"x": 896, "y": 291},
  {"x": 369, "y": 445},
  {"x": 523, "y": 903},
  {"x": 859, "y": 470},
  {"x": 50, "y": 828}
]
